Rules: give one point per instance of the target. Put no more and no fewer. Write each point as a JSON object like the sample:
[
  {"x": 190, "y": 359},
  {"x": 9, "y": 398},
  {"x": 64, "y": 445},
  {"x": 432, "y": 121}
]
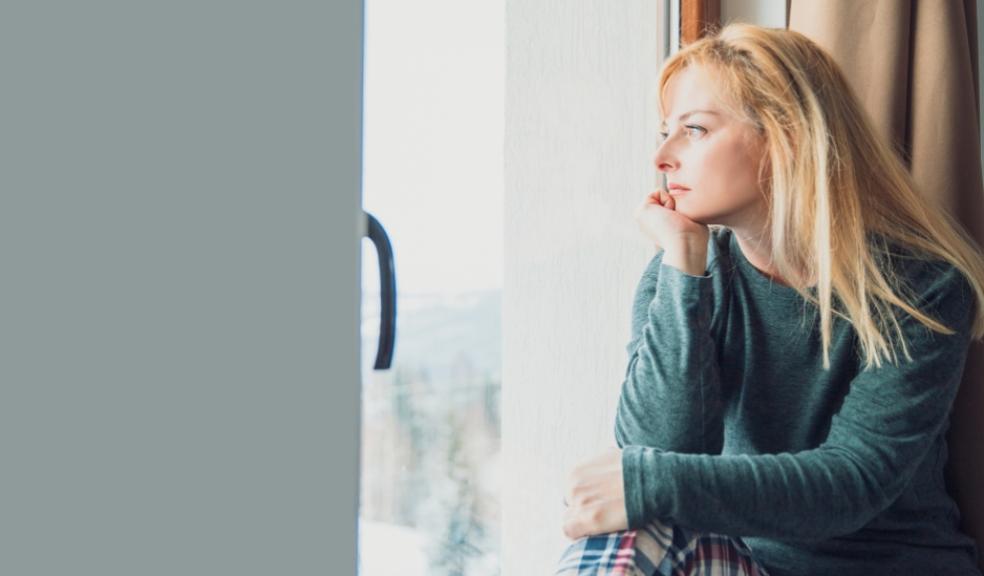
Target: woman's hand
[
  {"x": 683, "y": 240},
  {"x": 595, "y": 497},
  {"x": 658, "y": 219}
]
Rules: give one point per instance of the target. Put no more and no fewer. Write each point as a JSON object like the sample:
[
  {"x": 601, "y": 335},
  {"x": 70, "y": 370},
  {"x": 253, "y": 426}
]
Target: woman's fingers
[
  {"x": 595, "y": 497},
  {"x": 661, "y": 223},
  {"x": 662, "y": 198}
]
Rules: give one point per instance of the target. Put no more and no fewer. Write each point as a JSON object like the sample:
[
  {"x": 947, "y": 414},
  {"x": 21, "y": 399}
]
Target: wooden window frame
[{"x": 697, "y": 18}]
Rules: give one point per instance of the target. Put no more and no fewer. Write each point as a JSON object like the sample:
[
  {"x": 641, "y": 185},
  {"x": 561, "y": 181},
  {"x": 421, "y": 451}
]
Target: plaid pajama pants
[{"x": 658, "y": 549}]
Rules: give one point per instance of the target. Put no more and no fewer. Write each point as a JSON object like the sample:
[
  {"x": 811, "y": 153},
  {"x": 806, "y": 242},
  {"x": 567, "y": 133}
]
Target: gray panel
[{"x": 180, "y": 298}]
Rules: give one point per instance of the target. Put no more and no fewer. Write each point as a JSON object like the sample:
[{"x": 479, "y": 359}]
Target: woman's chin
[{"x": 694, "y": 215}]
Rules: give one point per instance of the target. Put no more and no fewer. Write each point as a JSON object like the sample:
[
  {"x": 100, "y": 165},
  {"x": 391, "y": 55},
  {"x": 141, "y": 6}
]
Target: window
[{"x": 433, "y": 113}]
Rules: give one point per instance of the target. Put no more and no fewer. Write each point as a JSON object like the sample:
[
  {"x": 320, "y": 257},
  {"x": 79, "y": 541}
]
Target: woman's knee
[
  {"x": 655, "y": 549},
  {"x": 613, "y": 553}
]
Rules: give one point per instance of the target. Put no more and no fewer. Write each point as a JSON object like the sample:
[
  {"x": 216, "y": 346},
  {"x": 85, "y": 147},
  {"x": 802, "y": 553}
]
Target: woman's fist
[
  {"x": 660, "y": 222},
  {"x": 595, "y": 497}
]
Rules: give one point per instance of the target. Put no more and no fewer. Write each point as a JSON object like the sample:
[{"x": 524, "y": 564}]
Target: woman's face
[{"x": 714, "y": 154}]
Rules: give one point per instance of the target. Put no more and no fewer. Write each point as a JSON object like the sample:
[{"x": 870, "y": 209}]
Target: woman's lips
[{"x": 677, "y": 190}]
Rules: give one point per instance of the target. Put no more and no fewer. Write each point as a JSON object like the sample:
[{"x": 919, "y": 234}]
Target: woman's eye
[
  {"x": 695, "y": 130},
  {"x": 692, "y": 130}
]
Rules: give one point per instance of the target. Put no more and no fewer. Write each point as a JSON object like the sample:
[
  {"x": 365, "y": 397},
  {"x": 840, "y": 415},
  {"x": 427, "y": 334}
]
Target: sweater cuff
[
  {"x": 635, "y": 462},
  {"x": 690, "y": 296},
  {"x": 663, "y": 267}
]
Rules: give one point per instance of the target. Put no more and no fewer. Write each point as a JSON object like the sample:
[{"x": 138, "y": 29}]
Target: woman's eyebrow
[{"x": 686, "y": 115}]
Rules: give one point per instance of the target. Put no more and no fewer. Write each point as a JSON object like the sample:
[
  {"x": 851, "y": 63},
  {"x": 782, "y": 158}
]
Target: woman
[{"x": 791, "y": 368}]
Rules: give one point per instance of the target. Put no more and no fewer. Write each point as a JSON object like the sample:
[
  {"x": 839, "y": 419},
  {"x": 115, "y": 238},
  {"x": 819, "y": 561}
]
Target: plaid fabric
[{"x": 658, "y": 549}]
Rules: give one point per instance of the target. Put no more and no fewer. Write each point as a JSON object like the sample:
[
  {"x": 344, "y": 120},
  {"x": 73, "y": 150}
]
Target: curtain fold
[{"x": 914, "y": 66}]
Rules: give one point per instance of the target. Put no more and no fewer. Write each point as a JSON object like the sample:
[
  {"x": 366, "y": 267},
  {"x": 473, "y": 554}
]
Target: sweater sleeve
[
  {"x": 884, "y": 428},
  {"x": 670, "y": 396}
]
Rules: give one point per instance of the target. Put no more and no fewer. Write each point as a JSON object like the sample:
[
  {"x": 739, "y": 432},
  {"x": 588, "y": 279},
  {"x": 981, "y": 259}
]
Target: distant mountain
[{"x": 451, "y": 337}]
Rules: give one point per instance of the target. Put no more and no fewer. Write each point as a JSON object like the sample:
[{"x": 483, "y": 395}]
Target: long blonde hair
[{"x": 834, "y": 185}]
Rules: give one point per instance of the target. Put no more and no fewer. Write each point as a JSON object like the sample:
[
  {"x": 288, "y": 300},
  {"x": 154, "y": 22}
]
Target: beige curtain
[{"x": 914, "y": 65}]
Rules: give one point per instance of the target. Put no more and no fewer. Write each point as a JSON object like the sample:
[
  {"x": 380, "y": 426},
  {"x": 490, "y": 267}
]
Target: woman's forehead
[
  {"x": 695, "y": 89},
  {"x": 692, "y": 88}
]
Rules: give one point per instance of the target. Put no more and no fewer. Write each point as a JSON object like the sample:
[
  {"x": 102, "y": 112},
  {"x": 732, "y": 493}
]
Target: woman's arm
[
  {"x": 670, "y": 397},
  {"x": 884, "y": 429}
]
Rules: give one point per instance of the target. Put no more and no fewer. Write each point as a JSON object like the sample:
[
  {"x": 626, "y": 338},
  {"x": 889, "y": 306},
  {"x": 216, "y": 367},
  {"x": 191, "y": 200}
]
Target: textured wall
[{"x": 580, "y": 129}]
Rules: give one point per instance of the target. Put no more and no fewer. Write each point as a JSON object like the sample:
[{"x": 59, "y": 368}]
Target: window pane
[{"x": 433, "y": 177}]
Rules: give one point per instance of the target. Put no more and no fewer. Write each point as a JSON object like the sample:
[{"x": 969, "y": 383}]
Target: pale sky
[{"x": 433, "y": 141}]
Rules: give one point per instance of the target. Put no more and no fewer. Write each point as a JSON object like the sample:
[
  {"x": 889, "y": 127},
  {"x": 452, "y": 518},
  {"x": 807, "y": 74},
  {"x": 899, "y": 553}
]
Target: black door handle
[{"x": 387, "y": 280}]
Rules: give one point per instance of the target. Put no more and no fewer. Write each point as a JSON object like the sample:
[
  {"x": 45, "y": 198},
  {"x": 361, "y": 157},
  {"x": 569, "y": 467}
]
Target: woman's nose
[{"x": 663, "y": 161}]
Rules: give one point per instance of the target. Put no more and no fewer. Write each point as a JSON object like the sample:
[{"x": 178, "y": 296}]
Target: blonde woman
[{"x": 797, "y": 340}]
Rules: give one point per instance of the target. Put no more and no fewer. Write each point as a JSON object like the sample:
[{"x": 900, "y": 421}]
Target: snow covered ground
[{"x": 387, "y": 549}]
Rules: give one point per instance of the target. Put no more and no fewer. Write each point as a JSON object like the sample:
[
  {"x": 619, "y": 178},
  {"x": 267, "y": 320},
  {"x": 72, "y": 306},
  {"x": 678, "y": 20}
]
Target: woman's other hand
[
  {"x": 658, "y": 219},
  {"x": 683, "y": 240},
  {"x": 595, "y": 497}
]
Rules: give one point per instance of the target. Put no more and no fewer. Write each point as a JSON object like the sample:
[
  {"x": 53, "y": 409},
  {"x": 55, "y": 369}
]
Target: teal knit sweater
[{"x": 729, "y": 423}]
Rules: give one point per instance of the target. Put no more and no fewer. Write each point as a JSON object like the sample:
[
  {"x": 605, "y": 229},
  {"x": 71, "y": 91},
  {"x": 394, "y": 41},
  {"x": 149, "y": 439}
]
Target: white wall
[
  {"x": 580, "y": 130},
  {"x": 579, "y": 134}
]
